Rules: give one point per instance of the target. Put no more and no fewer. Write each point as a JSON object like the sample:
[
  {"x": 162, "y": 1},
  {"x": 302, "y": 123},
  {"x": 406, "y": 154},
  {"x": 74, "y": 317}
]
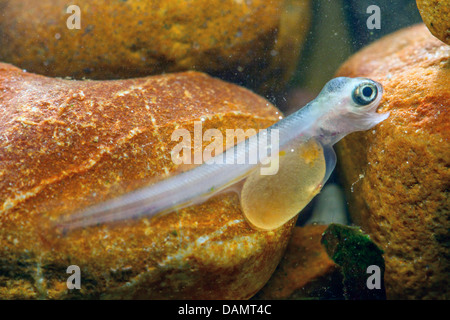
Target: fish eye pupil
[
  {"x": 364, "y": 94},
  {"x": 367, "y": 92}
]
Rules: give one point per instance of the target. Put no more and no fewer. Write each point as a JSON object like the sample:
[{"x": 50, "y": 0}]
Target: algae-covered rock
[
  {"x": 397, "y": 176},
  {"x": 328, "y": 262},
  {"x": 66, "y": 145},
  {"x": 359, "y": 258},
  {"x": 436, "y": 15},
  {"x": 254, "y": 43}
]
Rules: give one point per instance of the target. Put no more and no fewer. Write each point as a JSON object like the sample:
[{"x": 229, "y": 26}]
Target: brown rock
[
  {"x": 248, "y": 42},
  {"x": 436, "y": 15},
  {"x": 65, "y": 145},
  {"x": 397, "y": 176},
  {"x": 306, "y": 271}
]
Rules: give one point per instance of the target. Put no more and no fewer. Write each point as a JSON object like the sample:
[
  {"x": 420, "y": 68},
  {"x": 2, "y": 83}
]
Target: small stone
[{"x": 306, "y": 271}]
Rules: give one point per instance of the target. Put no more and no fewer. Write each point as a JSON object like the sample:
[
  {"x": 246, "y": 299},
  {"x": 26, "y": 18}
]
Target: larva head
[{"x": 348, "y": 105}]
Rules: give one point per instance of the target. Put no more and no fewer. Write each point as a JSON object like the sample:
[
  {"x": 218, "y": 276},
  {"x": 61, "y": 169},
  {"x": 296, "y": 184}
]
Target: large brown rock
[
  {"x": 65, "y": 145},
  {"x": 397, "y": 176},
  {"x": 248, "y": 42},
  {"x": 436, "y": 15}
]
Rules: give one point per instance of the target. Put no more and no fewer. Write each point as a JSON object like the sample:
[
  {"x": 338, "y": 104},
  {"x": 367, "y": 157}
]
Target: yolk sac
[{"x": 269, "y": 201}]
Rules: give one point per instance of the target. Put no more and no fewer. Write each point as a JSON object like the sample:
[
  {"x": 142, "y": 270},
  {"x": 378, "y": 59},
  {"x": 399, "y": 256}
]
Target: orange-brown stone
[
  {"x": 436, "y": 15},
  {"x": 248, "y": 42},
  {"x": 65, "y": 145},
  {"x": 397, "y": 176},
  {"x": 306, "y": 270}
]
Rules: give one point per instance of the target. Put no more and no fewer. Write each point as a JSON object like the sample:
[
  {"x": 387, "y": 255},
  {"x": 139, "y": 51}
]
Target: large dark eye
[{"x": 365, "y": 93}]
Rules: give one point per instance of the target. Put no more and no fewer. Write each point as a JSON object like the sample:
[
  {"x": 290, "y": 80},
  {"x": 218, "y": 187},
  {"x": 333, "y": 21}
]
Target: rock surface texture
[
  {"x": 436, "y": 15},
  {"x": 65, "y": 145},
  {"x": 306, "y": 271},
  {"x": 247, "y": 42},
  {"x": 397, "y": 176}
]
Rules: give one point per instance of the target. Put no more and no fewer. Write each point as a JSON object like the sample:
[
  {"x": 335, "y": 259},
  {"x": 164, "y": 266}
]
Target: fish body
[{"x": 270, "y": 196}]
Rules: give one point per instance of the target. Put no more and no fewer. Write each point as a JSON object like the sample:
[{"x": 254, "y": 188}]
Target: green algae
[{"x": 355, "y": 252}]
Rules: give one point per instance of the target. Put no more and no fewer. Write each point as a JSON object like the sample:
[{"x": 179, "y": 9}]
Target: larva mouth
[{"x": 376, "y": 103}]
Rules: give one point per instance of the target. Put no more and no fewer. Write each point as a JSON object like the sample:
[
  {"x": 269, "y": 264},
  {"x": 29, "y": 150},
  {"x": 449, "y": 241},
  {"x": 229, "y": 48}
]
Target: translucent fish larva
[{"x": 306, "y": 161}]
